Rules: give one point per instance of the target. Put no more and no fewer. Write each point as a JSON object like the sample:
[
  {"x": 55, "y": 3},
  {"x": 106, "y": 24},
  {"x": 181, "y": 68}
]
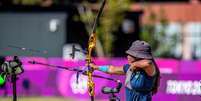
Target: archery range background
[
  {"x": 177, "y": 82},
  {"x": 51, "y": 29}
]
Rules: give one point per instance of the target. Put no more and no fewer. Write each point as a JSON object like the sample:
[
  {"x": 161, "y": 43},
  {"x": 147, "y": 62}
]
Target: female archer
[{"x": 142, "y": 73}]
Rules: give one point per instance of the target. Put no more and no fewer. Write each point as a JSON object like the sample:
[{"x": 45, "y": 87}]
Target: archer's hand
[
  {"x": 141, "y": 64},
  {"x": 132, "y": 66},
  {"x": 92, "y": 65}
]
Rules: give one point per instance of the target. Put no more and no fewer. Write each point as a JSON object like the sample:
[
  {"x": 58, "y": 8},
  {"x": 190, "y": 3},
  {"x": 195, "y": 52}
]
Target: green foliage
[
  {"x": 162, "y": 43},
  {"x": 109, "y": 22},
  {"x": 27, "y": 2}
]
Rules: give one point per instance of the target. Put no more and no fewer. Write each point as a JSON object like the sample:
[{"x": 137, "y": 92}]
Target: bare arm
[
  {"x": 141, "y": 64},
  {"x": 112, "y": 69},
  {"x": 146, "y": 65},
  {"x": 116, "y": 70}
]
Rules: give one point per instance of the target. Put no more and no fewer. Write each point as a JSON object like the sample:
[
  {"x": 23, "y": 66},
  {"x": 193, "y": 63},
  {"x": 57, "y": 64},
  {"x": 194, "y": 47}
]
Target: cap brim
[{"x": 139, "y": 55}]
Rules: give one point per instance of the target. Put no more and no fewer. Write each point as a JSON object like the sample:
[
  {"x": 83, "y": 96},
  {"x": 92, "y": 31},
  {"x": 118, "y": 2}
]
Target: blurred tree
[
  {"x": 26, "y": 2},
  {"x": 43, "y": 3},
  {"x": 162, "y": 43},
  {"x": 109, "y": 22}
]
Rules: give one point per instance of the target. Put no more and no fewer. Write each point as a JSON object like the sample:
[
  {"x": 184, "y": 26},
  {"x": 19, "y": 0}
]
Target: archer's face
[{"x": 130, "y": 59}]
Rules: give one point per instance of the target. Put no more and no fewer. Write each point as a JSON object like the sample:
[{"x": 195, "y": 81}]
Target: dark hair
[{"x": 157, "y": 80}]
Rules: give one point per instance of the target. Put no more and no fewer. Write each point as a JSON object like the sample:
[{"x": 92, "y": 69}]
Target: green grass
[{"x": 39, "y": 99}]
